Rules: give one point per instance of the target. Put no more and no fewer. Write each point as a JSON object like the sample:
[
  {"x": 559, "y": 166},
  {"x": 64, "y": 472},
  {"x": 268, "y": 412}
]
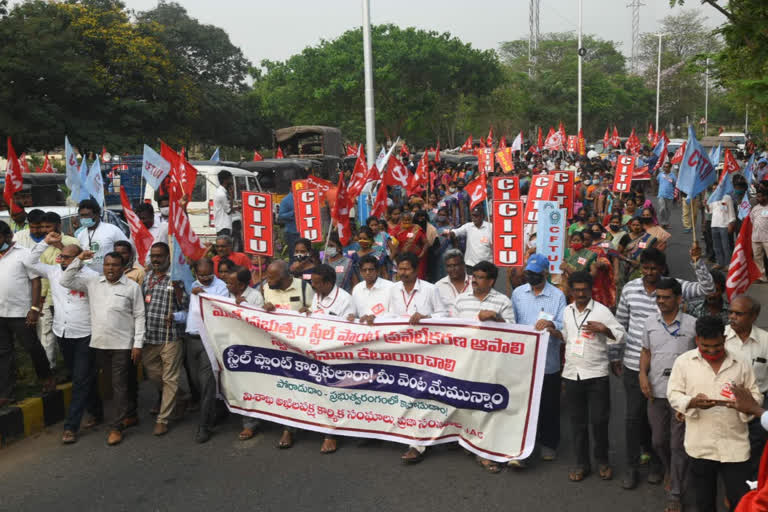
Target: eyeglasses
[{"x": 738, "y": 313}]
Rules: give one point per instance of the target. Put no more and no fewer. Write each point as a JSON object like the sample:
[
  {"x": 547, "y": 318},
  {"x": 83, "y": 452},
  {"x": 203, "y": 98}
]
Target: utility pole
[
  {"x": 581, "y": 53},
  {"x": 706, "y": 99},
  {"x": 370, "y": 113},
  {"x": 658, "y": 84},
  {"x": 533, "y": 35},
  {"x": 635, "y": 6}
]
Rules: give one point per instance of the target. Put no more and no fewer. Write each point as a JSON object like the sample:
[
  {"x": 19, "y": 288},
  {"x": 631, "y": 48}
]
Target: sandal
[
  {"x": 246, "y": 434},
  {"x": 489, "y": 465},
  {"x": 412, "y": 456},
  {"x": 329, "y": 446},
  {"x": 578, "y": 474},
  {"x": 286, "y": 440},
  {"x": 68, "y": 437},
  {"x": 605, "y": 471},
  {"x": 672, "y": 506}
]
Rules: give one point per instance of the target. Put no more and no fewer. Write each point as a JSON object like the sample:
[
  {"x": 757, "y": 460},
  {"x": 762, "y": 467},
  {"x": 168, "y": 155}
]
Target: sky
[{"x": 277, "y": 30}]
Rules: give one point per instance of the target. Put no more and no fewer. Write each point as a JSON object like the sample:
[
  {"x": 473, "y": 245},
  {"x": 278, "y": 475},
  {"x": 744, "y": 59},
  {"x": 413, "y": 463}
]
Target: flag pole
[
  {"x": 581, "y": 52},
  {"x": 169, "y": 318}
]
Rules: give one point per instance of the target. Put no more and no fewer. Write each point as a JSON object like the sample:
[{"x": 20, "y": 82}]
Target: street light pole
[
  {"x": 581, "y": 54},
  {"x": 370, "y": 113},
  {"x": 658, "y": 84},
  {"x": 706, "y": 100}
]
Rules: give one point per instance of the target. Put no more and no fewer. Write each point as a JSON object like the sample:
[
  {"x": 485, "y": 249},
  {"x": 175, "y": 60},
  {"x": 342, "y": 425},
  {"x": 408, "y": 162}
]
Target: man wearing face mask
[
  {"x": 96, "y": 236},
  {"x": 202, "y": 381},
  {"x": 33, "y": 233},
  {"x": 637, "y": 303},
  {"x": 716, "y": 436},
  {"x": 163, "y": 210},
  {"x": 541, "y": 305},
  {"x": 162, "y": 353},
  {"x": 72, "y": 328}
]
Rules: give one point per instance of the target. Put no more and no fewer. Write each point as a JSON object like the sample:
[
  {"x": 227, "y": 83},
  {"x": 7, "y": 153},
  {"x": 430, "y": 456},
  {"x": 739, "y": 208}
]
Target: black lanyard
[{"x": 579, "y": 325}]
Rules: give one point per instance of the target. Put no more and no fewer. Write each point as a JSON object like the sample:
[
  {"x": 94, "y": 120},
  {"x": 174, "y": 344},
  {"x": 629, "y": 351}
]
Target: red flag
[
  {"x": 13, "y": 178},
  {"x": 340, "y": 212},
  {"x": 47, "y": 167},
  {"x": 23, "y": 163},
  {"x": 404, "y": 149},
  {"x": 561, "y": 129},
  {"x": 140, "y": 235},
  {"x": 467, "y": 146},
  {"x": 554, "y": 141},
  {"x": 279, "y": 153},
  {"x": 730, "y": 164},
  {"x": 104, "y": 157},
  {"x": 477, "y": 190},
  {"x": 615, "y": 140},
  {"x": 174, "y": 186},
  {"x": 651, "y": 135},
  {"x": 437, "y": 152},
  {"x": 351, "y": 150},
  {"x": 679, "y": 154},
  {"x": 394, "y": 174},
  {"x": 503, "y": 142},
  {"x": 490, "y": 137},
  {"x": 420, "y": 178},
  {"x": 663, "y": 135},
  {"x": 606, "y": 138},
  {"x": 257, "y": 156},
  {"x": 187, "y": 174},
  {"x": 662, "y": 158},
  {"x": 539, "y": 141},
  {"x": 359, "y": 175},
  {"x": 743, "y": 270},
  {"x": 633, "y": 143}
]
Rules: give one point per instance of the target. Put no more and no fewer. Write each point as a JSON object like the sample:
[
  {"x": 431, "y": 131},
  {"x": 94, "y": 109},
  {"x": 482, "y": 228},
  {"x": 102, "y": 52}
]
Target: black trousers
[
  {"x": 202, "y": 379},
  {"x": 589, "y": 403},
  {"x": 637, "y": 430},
  {"x": 16, "y": 329},
  {"x": 118, "y": 363},
  {"x": 704, "y": 474},
  {"x": 549, "y": 412}
]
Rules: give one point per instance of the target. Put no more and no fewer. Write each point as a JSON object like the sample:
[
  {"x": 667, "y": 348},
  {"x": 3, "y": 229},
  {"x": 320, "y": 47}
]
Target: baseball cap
[{"x": 537, "y": 263}]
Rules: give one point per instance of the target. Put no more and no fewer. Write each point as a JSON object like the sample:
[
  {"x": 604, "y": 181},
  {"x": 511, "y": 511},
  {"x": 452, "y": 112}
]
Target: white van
[{"x": 200, "y": 207}]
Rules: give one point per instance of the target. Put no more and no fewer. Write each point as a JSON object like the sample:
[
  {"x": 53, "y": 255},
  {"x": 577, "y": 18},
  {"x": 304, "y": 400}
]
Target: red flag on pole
[
  {"x": 404, "y": 149},
  {"x": 437, "y": 152},
  {"x": 279, "y": 153},
  {"x": 477, "y": 190},
  {"x": 490, "y": 137},
  {"x": 351, "y": 150},
  {"x": 467, "y": 146},
  {"x": 615, "y": 140},
  {"x": 23, "y": 163},
  {"x": 13, "y": 179},
  {"x": 359, "y": 175},
  {"x": 743, "y": 270},
  {"x": 606, "y": 138},
  {"x": 651, "y": 135},
  {"x": 340, "y": 212},
  {"x": 140, "y": 235},
  {"x": 257, "y": 156},
  {"x": 47, "y": 167},
  {"x": 730, "y": 164},
  {"x": 561, "y": 130},
  {"x": 679, "y": 154},
  {"x": 503, "y": 142}
]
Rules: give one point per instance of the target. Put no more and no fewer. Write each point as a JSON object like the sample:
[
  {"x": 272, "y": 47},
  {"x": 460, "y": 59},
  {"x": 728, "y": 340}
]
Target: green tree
[{"x": 419, "y": 78}]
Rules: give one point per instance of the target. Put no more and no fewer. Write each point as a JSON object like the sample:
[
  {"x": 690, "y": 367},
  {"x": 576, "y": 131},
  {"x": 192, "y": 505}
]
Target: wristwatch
[{"x": 35, "y": 308}]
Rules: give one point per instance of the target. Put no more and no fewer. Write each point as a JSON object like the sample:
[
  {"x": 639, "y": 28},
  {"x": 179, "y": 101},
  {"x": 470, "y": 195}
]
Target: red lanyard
[
  {"x": 152, "y": 283},
  {"x": 408, "y": 304},
  {"x": 320, "y": 301}
]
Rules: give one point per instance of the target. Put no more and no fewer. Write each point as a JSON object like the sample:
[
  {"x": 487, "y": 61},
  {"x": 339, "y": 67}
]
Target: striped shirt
[
  {"x": 636, "y": 305},
  {"x": 468, "y": 306}
]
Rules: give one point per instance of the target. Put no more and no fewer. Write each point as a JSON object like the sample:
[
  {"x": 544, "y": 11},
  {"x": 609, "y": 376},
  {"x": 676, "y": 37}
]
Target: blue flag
[
  {"x": 180, "y": 270},
  {"x": 714, "y": 155},
  {"x": 749, "y": 170},
  {"x": 95, "y": 184},
  {"x": 215, "y": 156},
  {"x": 83, "y": 177},
  {"x": 73, "y": 174},
  {"x": 696, "y": 171},
  {"x": 724, "y": 188}
]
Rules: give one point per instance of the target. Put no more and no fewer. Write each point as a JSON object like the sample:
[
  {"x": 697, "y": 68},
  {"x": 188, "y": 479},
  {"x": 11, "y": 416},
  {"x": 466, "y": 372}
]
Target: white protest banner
[
  {"x": 444, "y": 380},
  {"x": 550, "y": 234},
  {"x": 154, "y": 167}
]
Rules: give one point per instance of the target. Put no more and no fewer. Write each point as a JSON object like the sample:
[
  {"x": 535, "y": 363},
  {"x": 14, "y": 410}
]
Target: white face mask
[{"x": 164, "y": 211}]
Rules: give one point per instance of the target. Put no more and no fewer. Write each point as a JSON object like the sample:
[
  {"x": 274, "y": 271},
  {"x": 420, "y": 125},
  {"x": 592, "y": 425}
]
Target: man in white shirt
[
  {"x": 72, "y": 328},
  {"x": 457, "y": 280},
  {"x": 117, "y": 330},
  {"x": 412, "y": 297},
  {"x": 222, "y": 206},
  {"x": 96, "y": 237},
  {"x": 371, "y": 294},
  {"x": 479, "y": 236},
  {"x": 157, "y": 228},
  {"x": 202, "y": 381},
  {"x": 329, "y": 299},
  {"x": 667, "y": 334},
  {"x": 723, "y": 224},
  {"x": 745, "y": 340},
  {"x": 239, "y": 286},
  {"x": 588, "y": 328},
  {"x": 19, "y": 293}
]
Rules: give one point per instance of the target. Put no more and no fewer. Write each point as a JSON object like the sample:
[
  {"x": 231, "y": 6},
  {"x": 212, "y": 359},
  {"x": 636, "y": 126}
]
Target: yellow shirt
[
  {"x": 136, "y": 274},
  {"x": 291, "y": 297},
  {"x": 49, "y": 258},
  {"x": 718, "y": 433}
]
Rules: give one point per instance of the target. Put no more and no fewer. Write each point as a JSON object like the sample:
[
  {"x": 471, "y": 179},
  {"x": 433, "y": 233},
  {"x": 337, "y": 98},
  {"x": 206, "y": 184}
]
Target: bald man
[
  {"x": 283, "y": 291},
  {"x": 745, "y": 340}
]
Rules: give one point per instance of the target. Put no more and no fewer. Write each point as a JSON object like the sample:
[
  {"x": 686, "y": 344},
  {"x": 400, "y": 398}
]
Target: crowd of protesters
[{"x": 688, "y": 359}]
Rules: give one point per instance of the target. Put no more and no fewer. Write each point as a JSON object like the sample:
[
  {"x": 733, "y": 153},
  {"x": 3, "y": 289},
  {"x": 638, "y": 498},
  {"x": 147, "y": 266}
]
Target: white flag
[
  {"x": 154, "y": 167},
  {"x": 94, "y": 184},
  {"x": 73, "y": 174},
  {"x": 517, "y": 144}
]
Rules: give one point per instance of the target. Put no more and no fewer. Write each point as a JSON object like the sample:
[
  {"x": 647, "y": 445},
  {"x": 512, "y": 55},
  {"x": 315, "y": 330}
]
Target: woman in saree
[
  {"x": 639, "y": 241},
  {"x": 606, "y": 267}
]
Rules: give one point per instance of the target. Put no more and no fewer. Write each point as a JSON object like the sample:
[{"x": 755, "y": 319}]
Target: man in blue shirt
[
  {"x": 667, "y": 180},
  {"x": 541, "y": 305},
  {"x": 286, "y": 217}
]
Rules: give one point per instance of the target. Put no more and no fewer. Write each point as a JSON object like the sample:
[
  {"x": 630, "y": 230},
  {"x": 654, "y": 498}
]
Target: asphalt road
[{"x": 174, "y": 473}]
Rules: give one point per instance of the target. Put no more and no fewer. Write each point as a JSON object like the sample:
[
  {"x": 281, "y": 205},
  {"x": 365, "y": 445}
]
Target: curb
[{"x": 32, "y": 415}]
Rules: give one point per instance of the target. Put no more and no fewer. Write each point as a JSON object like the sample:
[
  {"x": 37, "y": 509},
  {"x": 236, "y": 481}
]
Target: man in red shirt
[{"x": 224, "y": 251}]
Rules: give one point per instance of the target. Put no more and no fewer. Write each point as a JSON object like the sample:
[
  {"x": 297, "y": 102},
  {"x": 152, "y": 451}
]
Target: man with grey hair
[
  {"x": 745, "y": 340},
  {"x": 456, "y": 282},
  {"x": 224, "y": 252}
]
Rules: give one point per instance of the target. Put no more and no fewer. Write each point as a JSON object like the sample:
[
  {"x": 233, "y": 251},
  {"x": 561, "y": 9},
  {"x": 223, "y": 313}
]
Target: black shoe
[
  {"x": 203, "y": 435},
  {"x": 655, "y": 475},
  {"x": 630, "y": 479}
]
